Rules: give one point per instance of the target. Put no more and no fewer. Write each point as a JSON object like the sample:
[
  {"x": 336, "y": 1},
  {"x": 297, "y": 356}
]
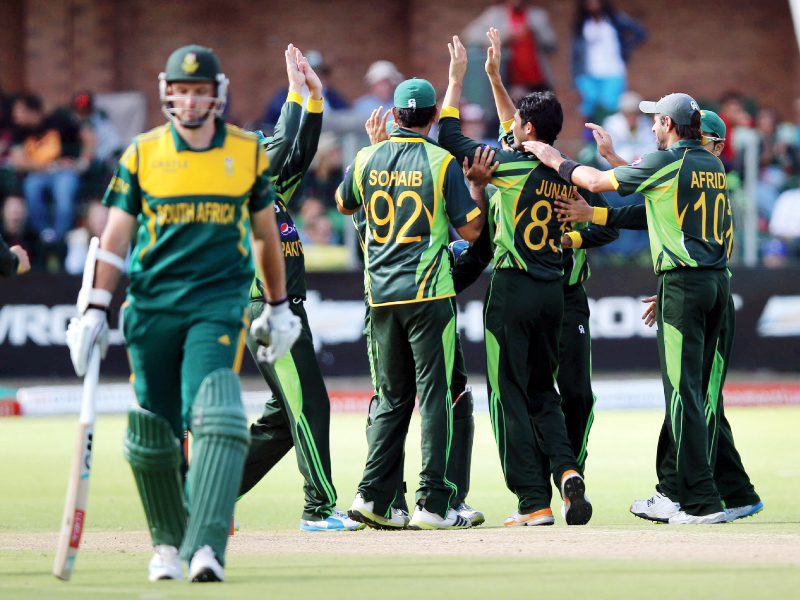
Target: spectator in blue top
[{"x": 602, "y": 41}]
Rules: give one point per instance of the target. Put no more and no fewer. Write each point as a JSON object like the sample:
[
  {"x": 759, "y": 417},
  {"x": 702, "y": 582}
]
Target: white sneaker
[
  {"x": 424, "y": 519},
  {"x": 657, "y": 507},
  {"x": 473, "y": 516},
  {"x": 683, "y": 519},
  {"x": 362, "y": 511},
  {"x": 205, "y": 566},
  {"x": 337, "y": 521},
  {"x": 740, "y": 512},
  {"x": 165, "y": 564},
  {"x": 577, "y": 508},
  {"x": 540, "y": 517}
]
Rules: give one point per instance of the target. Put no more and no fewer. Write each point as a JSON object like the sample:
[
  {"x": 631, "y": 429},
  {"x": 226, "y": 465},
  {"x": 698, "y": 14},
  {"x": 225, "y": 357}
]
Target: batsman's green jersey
[
  {"x": 290, "y": 152},
  {"x": 686, "y": 195},
  {"x": 411, "y": 190},
  {"x": 193, "y": 244}
]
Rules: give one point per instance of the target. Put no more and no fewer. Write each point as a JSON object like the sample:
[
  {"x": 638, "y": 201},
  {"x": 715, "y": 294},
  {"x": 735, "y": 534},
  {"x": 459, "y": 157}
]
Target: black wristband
[
  {"x": 566, "y": 168},
  {"x": 278, "y": 302}
]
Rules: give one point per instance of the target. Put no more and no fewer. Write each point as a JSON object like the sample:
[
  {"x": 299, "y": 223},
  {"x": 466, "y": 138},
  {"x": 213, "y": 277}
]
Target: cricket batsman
[
  {"x": 411, "y": 189},
  {"x": 195, "y": 190},
  {"x": 686, "y": 204},
  {"x": 730, "y": 476},
  {"x": 298, "y": 414}
]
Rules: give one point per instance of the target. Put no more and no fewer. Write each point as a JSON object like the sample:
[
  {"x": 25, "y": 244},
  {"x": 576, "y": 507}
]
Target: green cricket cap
[
  {"x": 193, "y": 63},
  {"x": 678, "y": 107},
  {"x": 711, "y": 123},
  {"x": 414, "y": 93}
]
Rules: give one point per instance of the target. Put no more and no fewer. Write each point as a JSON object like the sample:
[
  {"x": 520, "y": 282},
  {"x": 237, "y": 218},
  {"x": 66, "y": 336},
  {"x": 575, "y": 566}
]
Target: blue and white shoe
[
  {"x": 740, "y": 512},
  {"x": 338, "y": 521}
]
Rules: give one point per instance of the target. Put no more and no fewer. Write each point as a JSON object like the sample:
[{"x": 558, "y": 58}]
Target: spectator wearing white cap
[{"x": 382, "y": 77}]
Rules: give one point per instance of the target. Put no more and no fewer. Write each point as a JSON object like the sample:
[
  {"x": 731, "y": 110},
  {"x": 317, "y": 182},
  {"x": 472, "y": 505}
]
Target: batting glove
[
  {"x": 276, "y": 330},
  {"x": 83, "y": 333}
]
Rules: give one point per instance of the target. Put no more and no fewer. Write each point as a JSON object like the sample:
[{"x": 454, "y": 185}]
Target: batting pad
[
  {"x": 221, "y": 440},
  {"x": 154, "y": 454}
]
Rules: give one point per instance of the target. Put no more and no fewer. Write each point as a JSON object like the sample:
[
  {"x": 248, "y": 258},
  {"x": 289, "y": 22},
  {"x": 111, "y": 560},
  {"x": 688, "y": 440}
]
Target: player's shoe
[
  {"x": 474, "y": 516},
  {"x": 205, "y": 567},
  {"x": 165, "y": 564},
  {"x": 337, "y": 521},
  {"x": 361, "y": 511},
  {"x": 424, "y": 519},
  {"x": 657, "y": 507},
  {"x": 540, "y": 517},
  {"x": 682, "y": 518},
  {"x": 577, "y": 508},
  {"x": 740, "y": 512}
]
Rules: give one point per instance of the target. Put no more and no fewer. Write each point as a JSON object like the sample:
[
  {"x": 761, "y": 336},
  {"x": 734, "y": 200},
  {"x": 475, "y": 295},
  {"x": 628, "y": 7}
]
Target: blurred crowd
[{"x": 54, "y": 166}]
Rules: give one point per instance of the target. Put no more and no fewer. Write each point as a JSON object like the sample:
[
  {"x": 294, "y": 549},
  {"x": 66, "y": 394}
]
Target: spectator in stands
[
  {"x": 630, "y": 129},
  {"x": 734, "y": 115},
  {"x": 15, "y": 230},
  {"x": 473, "y": 124},
  {"x": 778, "y": 161},
  {"x": 94, "y": 220},
  {"x": 785, "y": 221},
  {"x": 603, "y": 39},
  {"x": 526, "y": 31},
  {"x": 326, "y": 171},
  {"x": 108, "y": 144},
  {"x": 8, "y": 177},
  {"x": 382, "y": 77},
  {"x": 316, "y": 226},
  {"x": 53, "y": 150},
  {"x": 331, "y": 99}
]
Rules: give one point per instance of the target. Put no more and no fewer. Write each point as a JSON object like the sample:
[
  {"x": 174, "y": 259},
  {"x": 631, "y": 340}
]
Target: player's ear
[
  {"x": 435, "y": 116},
  {"x": 718, "y": 148},
  {"x": 394, "y": 115}
]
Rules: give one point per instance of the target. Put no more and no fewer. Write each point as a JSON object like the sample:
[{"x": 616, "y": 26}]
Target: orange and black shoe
[
  {"x": 540, "y": 517},
  {"x": 577, "y": 508}
]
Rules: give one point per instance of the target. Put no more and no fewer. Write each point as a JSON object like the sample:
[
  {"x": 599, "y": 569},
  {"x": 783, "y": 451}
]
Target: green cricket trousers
[{"x": 297, "y": 415}]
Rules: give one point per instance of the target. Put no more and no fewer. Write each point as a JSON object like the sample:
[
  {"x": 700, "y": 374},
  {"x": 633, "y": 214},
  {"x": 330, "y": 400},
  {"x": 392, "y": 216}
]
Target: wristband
[
  {"x": 278, "y": 302},
  {"x": 566, "y": 168}
]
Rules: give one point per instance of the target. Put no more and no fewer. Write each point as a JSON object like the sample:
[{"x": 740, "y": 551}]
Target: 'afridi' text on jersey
[
  {"x": 410, "y": 189},
  {"x": 193, "y": 246},
  {"x": 687, "y": 205}
]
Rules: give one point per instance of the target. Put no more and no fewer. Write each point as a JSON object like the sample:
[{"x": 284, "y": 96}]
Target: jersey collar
[
  {"x": 686, "y": 144},
  {"x": 399, "y": 134},
  {"x": 216, "y": 142}
]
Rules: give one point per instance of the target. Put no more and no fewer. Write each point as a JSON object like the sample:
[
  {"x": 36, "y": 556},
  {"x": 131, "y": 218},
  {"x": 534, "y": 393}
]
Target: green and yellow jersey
[
  {"x": 527, "y": 234},
  {"x": 411, "y": 190},
  {"x": 290, "y": 152},
  {"x": 686, "y": 196},
  {"x": 192, "y": 247}
]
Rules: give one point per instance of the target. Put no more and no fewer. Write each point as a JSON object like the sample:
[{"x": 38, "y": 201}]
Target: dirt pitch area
[{"x": 705, "y": 543}]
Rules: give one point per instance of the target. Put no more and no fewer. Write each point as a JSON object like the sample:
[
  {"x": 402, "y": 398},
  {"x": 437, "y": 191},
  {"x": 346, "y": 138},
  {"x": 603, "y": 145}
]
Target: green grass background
[{"x": 35, "y": 456}]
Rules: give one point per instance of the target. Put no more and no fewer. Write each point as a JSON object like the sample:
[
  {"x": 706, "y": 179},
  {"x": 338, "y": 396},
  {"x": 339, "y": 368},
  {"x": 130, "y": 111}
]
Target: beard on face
[{"x": 661, "y": 139}]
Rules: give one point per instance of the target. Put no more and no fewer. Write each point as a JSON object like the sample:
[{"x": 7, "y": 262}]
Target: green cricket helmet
[{"x": 193, "y": 63}]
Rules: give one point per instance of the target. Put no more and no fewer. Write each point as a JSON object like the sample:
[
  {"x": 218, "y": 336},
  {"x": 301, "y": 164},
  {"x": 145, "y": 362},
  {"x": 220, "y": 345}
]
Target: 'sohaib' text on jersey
[{"x": 384, "y": 178}]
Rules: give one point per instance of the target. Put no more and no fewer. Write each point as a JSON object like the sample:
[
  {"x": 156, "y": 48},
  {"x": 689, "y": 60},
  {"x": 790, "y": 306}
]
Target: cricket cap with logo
[
  {"x": 193, "y": 63},
  {"x": 678, "y": 107},
  {"x": 414, "y": 93},
  {"x": 710, "y": 122}
]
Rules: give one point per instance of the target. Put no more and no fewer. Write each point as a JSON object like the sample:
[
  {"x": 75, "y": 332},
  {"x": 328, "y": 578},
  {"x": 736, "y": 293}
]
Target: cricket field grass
[{"x": 615, "y": 556}]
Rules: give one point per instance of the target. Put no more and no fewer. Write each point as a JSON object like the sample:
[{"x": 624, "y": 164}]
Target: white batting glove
[
  {"x": 278, "y": 328},
  {"x": 82, "y": 334}
]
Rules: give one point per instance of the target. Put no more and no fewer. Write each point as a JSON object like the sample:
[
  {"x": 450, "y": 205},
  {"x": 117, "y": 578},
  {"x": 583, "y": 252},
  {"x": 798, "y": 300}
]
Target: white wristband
[{"x": 110, "y": 258}]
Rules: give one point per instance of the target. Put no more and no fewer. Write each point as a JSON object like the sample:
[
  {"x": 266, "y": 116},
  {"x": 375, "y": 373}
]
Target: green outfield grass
[{"x": 35, "y": 456}]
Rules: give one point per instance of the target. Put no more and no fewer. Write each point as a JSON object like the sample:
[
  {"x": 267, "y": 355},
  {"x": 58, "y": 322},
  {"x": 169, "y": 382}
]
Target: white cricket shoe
[
  {"x": 740, "y": 512},
  {"x": 540, "y": 517},
  {"x": 473, "y": 516},
  {"x": 165, "y": 564},
  {"x": 362, "y": 511},
  {"x": 657, "y": 507},
  {"x": 424, "y": 519},
  {"x": 684, "y": 519},
  {"x": 205, "y": 566},
  {"x": 337, "y": 521}
]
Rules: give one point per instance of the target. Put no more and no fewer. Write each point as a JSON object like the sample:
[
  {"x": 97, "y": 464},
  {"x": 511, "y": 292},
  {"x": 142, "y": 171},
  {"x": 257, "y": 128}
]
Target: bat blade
[{"x": 78, "y": 486}]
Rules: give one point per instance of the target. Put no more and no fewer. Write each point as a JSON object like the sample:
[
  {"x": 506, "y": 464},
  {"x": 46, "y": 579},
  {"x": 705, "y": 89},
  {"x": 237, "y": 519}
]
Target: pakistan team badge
[
  {"x": 190, "y": 64},
  {"x": 228, "y": 165}
]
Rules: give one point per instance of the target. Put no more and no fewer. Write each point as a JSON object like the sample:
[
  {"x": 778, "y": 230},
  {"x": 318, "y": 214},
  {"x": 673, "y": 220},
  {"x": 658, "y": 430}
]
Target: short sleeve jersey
[
  {"x": 411, "y": 190},
  {"x": 527, "y": 233},
  {"x": 686, "y": 196},
  {"x": 192, "y": 246}
]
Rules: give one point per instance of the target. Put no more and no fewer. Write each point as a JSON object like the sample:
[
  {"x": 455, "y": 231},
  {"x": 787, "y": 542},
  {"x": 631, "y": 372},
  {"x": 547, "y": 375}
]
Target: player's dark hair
[
  {"x": 415, "y": 117},
  {"x": 543, "y": 111},
  {"x": 31, "y": 101},
  {"x": 688, "y": 132}
]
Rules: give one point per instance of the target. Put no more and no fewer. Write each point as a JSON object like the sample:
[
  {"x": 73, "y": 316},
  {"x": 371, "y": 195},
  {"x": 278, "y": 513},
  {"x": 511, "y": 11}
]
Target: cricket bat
[{"x": 78, "y": 485}]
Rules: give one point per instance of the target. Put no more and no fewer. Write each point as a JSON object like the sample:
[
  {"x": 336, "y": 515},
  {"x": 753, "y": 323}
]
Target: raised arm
[
  {"x": 280, "y": 146},
  {"x": 505, "y": 107}
]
